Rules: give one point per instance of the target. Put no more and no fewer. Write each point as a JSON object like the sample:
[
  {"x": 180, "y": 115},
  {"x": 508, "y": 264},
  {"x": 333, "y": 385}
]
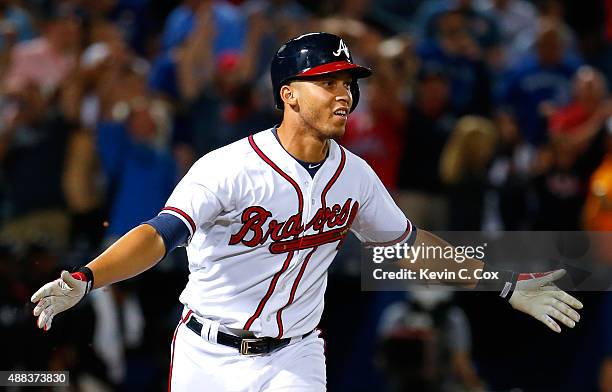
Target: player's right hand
[
  {"x": 57, "y": 296},
  {"x": 537, "y": 295}
]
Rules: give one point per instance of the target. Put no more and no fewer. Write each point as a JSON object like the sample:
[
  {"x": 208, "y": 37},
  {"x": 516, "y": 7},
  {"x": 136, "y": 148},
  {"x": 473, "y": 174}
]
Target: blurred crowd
[{"x": 480, "y": 115}]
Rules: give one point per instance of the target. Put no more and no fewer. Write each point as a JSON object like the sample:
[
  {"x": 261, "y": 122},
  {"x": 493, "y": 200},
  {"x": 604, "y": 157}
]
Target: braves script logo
[
  {"x": 342, "y": 48},
  {"x": 285, "y": 235}
]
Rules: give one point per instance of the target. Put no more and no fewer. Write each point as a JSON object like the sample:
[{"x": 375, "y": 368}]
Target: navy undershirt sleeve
[{"x": 171, "y": 229}]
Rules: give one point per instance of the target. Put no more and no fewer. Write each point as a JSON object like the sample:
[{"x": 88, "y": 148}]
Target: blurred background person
[
  {"x": 32, "y": 148},
  {"x": 514, "y": 19},
  {"x": 457, "y": 50},
  {"x": 577, "y": 145},
  {"x": 430, "y": 121},
  {"x": 48, "y": 59},
  {"x": 424, "y": 344},
  {"x": 540, "y": 83},
  {"x": 376, "y": 134},
  {"x": 137, "y": 162},
  {"x": 464, "y": 165},
  {"x": 510, "y": 176}
]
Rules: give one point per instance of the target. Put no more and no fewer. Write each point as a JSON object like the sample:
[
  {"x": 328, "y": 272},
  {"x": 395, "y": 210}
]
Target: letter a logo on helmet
[
  {"x": 342, "y": 48},
  {"x": 314, "y": 54}
]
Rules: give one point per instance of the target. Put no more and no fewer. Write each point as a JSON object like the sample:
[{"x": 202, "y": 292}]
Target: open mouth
[{"x": 341, "y": 113}]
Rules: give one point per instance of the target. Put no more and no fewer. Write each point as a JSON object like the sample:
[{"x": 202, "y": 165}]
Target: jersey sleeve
[
  {"x": 200, "y": 196},
  {"x": 379, "y": 220}
]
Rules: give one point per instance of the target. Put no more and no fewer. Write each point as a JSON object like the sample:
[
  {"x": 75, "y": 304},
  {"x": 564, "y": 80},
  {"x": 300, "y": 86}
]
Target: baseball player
[{"x": 262, "y": 220}]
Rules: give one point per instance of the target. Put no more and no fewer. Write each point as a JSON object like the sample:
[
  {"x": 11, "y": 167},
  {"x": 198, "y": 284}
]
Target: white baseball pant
[{"x": 199, "y": 365}]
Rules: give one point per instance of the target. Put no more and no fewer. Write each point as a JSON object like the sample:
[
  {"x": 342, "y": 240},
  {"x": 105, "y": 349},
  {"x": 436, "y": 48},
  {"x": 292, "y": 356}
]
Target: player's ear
[{"x": 288, "y": 95}]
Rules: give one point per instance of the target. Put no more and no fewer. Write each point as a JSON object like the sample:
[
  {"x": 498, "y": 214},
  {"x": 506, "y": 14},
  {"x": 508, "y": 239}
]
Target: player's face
[{"x": 324, "y": 102}]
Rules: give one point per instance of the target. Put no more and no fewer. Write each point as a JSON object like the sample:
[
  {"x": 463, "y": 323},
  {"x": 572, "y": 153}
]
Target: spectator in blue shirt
[
  {"x": 179, "y": 24},
  {"x": 482, "y": 27},
  {"x": 539, "y": 83},
  {"x": 138, "y": 164},
  {"x": 456, "y": 51},
  {"x": 229, "y": 20}
]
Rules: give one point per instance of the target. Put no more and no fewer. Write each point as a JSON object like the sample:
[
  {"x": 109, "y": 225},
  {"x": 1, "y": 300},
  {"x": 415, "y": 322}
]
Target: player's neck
[{"x": 302, "y": 144}]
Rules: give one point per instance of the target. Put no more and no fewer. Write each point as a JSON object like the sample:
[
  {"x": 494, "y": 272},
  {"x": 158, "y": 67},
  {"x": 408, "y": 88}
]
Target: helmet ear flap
[{"x": 355, "y": 94}]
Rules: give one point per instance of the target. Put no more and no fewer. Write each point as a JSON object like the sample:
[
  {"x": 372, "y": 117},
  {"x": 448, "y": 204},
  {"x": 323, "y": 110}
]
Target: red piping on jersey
[
  {"x": 279, "y": 319},
  {"x": 184, "y": 215},
  {"x": 279, "y": 171},
  {"x": 272, "y": 286},
  {"x": 183, "y": 320},
  {"x": 395, "y": 241},
  {"x": 334, "y": 178},
  {"x": 265, "y": 299},
  {"x": 301, "y": 243}
]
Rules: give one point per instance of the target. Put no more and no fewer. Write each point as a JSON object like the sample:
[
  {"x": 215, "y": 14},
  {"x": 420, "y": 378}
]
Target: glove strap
[
  {"x": 504, "y": 284},
  {"x": 86, "y": 275}
]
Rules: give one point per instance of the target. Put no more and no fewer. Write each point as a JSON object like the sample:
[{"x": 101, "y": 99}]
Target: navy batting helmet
[{"x": 314, "y": 54}]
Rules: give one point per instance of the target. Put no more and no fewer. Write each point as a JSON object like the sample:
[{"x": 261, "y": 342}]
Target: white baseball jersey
[{"x": 263, "y": 232}]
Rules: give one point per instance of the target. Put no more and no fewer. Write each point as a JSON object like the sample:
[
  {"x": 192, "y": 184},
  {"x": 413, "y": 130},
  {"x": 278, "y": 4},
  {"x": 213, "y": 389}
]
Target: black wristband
[
  {"x": 504, "y": 281},
  {"x": 89, "y": 275}
]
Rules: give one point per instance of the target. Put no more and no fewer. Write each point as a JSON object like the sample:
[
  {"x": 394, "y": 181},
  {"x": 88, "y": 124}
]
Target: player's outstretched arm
[
  {"x": 135, "y": 252},
  {"x": 531, "y": 293}
]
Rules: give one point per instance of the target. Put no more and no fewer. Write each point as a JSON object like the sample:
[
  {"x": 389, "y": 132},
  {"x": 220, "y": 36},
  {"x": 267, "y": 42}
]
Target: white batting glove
[
  {"x": 57, "y": 296},
  {"x": 536, "y": 295}
]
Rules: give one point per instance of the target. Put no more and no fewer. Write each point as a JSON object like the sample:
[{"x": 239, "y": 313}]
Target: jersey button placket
[{"x": 308, "y": 207}]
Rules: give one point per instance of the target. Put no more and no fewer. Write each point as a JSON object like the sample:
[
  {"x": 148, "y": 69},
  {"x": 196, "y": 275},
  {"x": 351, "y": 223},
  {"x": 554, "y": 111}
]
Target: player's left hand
[{"x": 536, "y": 295}]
